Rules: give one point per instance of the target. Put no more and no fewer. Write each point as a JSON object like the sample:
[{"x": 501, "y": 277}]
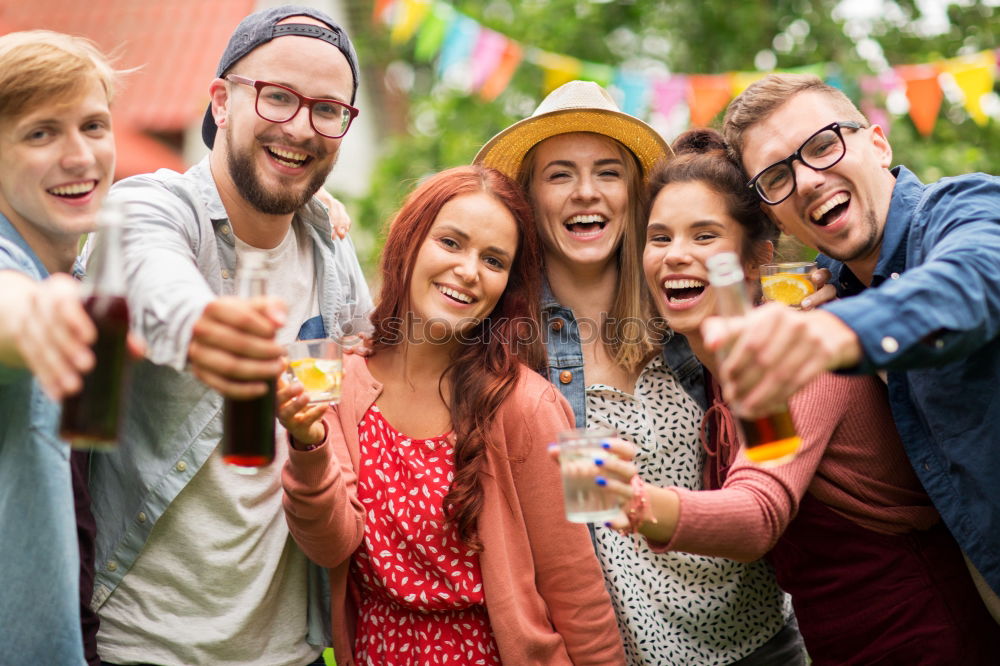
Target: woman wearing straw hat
[{"x": 583, "y": 164}]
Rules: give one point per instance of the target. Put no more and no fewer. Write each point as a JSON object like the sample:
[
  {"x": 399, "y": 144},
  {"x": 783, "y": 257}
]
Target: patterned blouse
[
  {"x": 421, "y": 587},
  {"x": 677, "y": 608}
]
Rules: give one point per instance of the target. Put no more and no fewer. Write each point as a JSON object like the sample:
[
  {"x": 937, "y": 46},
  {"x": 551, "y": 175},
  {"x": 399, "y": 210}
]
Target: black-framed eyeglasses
[
  {"x": 819, "y": 152},
  {"x": 279, "y": 104}
]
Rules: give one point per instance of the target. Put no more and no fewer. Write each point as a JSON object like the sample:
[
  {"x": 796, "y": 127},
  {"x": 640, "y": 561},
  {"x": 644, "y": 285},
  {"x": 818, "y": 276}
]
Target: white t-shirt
[{"x": 220, "y": 581}]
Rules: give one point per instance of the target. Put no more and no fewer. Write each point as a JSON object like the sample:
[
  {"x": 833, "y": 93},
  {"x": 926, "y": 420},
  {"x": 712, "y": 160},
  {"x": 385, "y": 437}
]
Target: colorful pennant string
[{"x": 483, "y": 61}]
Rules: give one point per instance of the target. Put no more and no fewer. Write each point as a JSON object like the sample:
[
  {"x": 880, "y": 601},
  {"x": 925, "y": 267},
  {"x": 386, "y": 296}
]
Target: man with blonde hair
[
  {"x": 919, "y": 265},
  {"x": 57, "y": 158}
]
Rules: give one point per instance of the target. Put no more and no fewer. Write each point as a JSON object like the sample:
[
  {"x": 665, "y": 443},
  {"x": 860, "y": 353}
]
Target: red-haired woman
[{"x": 432, "y": 497}]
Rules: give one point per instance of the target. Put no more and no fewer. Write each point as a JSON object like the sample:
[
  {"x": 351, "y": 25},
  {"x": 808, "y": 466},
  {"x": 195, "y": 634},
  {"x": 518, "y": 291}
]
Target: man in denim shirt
[
  {"x": 919, "y": 264},
  {"x": 57, "y": 159},
  {"x": 195, "y": 564}
]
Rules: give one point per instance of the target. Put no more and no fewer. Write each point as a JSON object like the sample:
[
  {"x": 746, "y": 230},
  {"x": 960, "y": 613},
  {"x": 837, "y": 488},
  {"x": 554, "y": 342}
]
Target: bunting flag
[
  {"x": 557, "y": 69},
  {"x": 924, "y": 94},
  {"x": 974, "y": 77},
  {"x": 432, "y": 32},
  {"x": 497, "y": 81},
  {"x": 411, "y": 16},
  {"x": 742, "y": 80},
  {"x": 480, "y": 60},
  {"x": 707, "y": 94}
]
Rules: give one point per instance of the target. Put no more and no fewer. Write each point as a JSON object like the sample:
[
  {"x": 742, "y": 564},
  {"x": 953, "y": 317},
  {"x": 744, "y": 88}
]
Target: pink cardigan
[
  {"x": 544, "y": 591},
  {"x": 851, "y": 460}
]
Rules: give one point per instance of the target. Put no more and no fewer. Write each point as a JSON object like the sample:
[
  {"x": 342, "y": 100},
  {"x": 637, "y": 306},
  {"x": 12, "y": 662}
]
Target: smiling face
[
  {"x": 688, "y": 223},
  {"x": 277, "y": 167},
  {"x": 840, "y": 211},
  {"x": 463, "y": 264},
  {"x": 56, "y": 165},
  {"x": 579, "y": 189}
]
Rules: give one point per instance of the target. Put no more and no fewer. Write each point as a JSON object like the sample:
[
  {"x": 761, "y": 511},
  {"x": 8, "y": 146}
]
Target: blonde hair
[
  {"x": 763, "y": 97},
  {"x": 41, "y": 67},
  {"x": 625, "y": 333}
]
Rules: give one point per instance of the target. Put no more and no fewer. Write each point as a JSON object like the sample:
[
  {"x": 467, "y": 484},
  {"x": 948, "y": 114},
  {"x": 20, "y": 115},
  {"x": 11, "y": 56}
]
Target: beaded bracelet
[{"x": 638, "y": 510}]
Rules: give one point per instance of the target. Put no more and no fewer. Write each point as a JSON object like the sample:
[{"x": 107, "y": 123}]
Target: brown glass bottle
[
  {"x": 91, "y": 418},
  {"x": 770, "y": 440},
  {"x": 248, "y": 425}
]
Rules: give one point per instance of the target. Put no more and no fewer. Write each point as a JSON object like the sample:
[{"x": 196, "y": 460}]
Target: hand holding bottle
[{"x": 232, "y": 347}]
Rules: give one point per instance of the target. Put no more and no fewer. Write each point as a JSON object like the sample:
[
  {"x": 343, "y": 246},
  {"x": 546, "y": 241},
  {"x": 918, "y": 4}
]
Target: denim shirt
[
  {"x": 565, "y": 352},
  {"x": 931, "y": 318},
  {"x": 179, "y": 255},
  {"x": 40, "y": 602}
]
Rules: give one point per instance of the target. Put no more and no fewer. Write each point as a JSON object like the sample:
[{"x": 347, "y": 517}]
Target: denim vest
[
  {"x": 40, "y": 602},
  {"x": 562, "y": 342},
  {"x": 179, "y": 256}
]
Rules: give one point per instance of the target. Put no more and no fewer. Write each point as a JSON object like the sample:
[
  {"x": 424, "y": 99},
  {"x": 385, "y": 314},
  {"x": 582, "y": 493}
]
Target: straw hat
[{"x": 577, "y": 106}]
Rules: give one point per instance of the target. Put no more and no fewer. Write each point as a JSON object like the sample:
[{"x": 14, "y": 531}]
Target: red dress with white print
[{"x": 421, "y": 588}]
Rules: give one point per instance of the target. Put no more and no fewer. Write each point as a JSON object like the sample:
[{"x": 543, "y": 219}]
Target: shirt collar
[
  {"x": 892, "y": 254},
  {"x": 905, "y": 197},
  {"x": 9, "y": 233}
]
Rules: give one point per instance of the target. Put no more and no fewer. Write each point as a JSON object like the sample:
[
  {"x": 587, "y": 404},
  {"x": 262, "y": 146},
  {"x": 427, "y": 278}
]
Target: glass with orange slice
[
  {"x": 318, "y": 366},
  {"x": 788, "y": 282}
]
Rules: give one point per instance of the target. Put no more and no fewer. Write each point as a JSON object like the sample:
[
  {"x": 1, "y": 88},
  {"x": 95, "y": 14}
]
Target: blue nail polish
[
  {"x": 605, "y": 445},
  {"x": 598, "y": 461},
  {"x": 600, "y": 480}
]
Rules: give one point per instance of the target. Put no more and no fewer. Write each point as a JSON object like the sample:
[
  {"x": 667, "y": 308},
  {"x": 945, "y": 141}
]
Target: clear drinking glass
[
  {"x": 586, "y": 502},
  {"x": 787, "y": 283},
  {"x": 318, "y": 366}
]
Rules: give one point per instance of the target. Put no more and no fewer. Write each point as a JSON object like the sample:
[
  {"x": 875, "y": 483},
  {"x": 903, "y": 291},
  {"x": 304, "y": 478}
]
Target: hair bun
[{"x": 702, "y": 140}]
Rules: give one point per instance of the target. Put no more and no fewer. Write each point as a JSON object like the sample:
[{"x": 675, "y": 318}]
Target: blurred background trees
[{"x": 429, "y": 125}]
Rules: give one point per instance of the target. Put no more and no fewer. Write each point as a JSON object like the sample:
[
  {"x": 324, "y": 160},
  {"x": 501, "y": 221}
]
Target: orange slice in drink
[
  {"x": 308, "y": 372},
  {"x": 787, "y": 288}
]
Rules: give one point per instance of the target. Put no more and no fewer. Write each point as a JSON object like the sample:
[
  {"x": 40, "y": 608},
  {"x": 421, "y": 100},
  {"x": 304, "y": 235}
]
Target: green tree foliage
[{"x": 437, "y": 127}]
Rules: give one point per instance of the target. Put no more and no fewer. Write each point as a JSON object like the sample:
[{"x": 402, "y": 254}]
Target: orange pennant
[
  {"x": 707, "y": 94},
  {"x": 924, "y": 93},
  {"x": 380, "y": 8},
  {"x": 497, "y": 82}
]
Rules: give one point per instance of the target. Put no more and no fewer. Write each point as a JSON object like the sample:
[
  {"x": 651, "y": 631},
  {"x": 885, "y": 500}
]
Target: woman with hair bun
[
  {"x": 433, "y": 499},
  {"x": 875, "y": 576},
  {"x": 583, "y": 164}
]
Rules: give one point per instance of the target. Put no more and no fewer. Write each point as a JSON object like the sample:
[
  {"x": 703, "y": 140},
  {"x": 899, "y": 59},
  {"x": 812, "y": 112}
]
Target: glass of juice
[
  {"x": 787, "y": 283},
  {"x": 318, "y": 366}
]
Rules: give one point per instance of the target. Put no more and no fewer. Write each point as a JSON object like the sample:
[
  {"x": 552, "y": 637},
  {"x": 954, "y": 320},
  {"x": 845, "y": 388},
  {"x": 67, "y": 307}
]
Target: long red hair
[{"x": 485, "y": 367}]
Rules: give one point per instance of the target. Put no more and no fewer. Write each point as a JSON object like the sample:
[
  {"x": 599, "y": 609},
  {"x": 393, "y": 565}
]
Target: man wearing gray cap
[{"x": 194, "y": 562}]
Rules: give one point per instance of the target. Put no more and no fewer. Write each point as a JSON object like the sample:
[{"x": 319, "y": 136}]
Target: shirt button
[
  {"x": 557, "y": 324},
  {"x": 927, "y": 467},
  {"x": 224, "y": 229},
  {"x": 565, "y": 376},
  {"x": 890, "y": 345},
  {"x": 894, "y": 276},
  {"x": 939, "y": 343},
  {"x": 112, "y": 565},
  {"x": 225, "y": 274},
  {"x": 141, "y": 517},
  {"x": 181, "y": 466}
]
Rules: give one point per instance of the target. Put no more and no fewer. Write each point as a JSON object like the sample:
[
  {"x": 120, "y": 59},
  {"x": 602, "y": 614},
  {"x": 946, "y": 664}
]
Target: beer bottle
[
  {"x": 248, "y": 425},
  {"x": 770, "y": 440},
  {"x": 91, "y": 418}
]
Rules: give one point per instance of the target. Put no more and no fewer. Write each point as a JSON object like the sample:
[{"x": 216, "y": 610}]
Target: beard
[
  {"x": 871, "y": 243},
  {"x": 283, "y": 202}
]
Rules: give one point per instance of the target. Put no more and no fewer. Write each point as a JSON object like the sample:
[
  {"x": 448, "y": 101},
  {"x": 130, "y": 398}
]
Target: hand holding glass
[
  {"x": 586, "y": 502},
  {"x": 787, "y": 283},
  {"x": 318, "y": 366}
]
